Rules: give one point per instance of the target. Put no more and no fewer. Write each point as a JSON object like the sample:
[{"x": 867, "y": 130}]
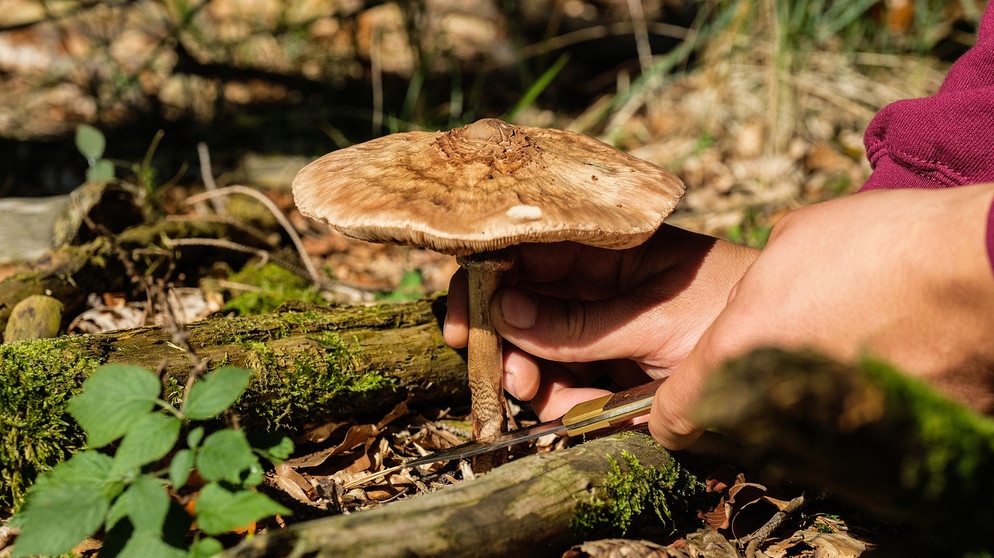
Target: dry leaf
[
  {"x": 316, "y": 434},
  {"x": 356, "y": 436},
  {"x": 296, "y": 486}
]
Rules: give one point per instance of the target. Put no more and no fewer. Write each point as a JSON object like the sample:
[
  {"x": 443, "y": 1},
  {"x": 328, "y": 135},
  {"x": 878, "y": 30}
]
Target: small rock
[{"x": 35, "y": 317}]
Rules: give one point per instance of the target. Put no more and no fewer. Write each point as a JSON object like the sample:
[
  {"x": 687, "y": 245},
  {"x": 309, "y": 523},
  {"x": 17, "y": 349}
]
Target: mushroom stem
[{"x": 484, "y": 355}]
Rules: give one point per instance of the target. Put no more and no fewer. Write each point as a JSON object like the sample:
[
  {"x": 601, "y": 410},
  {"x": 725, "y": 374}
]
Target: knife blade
[{"x": 589, "y": 416}]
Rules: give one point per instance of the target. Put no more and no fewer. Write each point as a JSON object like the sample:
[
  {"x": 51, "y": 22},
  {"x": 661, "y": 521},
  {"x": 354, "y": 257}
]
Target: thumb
[
  {"x": 671, "y": 420},
  {"x": 575, "y": 331}
]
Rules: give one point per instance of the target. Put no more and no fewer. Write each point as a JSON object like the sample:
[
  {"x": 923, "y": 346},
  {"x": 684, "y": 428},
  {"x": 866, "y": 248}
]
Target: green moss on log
[
  {"x": 638, "y": 496},
  {"x": 36, "y": 381}
]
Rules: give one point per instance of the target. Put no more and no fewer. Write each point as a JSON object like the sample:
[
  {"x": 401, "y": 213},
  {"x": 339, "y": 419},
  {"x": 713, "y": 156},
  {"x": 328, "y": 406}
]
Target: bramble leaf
[
  {"x": 272, "y": 446},
  {"x": 195, "y": 436},
  {"x": 225, "y": 455},
  {"x": 149, "y": 439},
  {"x": 66, "y": 505},
  {"x": 146, "y": 504},
  {"x": 220, "y": 510},
  {"x": 206, "y": 548},
  {"x": 147, "y": 544},
  {"x": 180, "y": 467},
  {"x": 112, "y": 396},
  {"x": 216, "y": 392}
]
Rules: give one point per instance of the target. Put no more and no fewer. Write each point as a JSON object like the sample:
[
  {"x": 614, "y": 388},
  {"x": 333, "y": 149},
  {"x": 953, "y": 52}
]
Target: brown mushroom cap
[{"x": 487, "y": 186}]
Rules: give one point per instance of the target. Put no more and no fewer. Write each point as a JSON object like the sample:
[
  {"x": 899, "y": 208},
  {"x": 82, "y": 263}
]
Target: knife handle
[{"x": 610, "y": 409}]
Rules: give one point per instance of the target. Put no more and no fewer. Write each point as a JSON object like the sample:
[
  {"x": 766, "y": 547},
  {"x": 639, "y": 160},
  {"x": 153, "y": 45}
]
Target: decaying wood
[
  {"x": 523, "y": 508},
  {"x": 867, "y": 434},
  {"x": 311, "y": 364}
]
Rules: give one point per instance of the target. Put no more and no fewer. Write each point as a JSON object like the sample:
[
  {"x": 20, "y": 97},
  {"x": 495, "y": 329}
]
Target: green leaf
[
  {"x": 118, "y": 511},
  {"x": 146, "y": 503},
  {"x": 66, "y": 505},
  {"x": 112, "y": 396},
  {"x": 220, "y": 510},
  {"x": 206, "y": 548},
  {"x": 180, "y": 467},
  {"x": 273, "y": 446},
  {"x": 90, "y": 142},
  {"x": 225, "y": 455},
  {"x": 146, "y": 544},
  {"x": 100, "y": 170},
  {"x": 195, "y": 436},
  {"x": 216, "y": 392},
  {"x": 150, "y": 438}
]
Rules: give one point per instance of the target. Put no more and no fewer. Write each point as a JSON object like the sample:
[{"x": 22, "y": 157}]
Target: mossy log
[
  {"x": 535, "y": 506},
  {"x": 868, "y": 434},
  {"x": 311, "y": 364}
]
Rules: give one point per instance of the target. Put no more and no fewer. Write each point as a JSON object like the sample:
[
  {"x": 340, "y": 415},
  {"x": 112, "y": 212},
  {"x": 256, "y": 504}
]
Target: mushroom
[{"x": 474, "y": 191}]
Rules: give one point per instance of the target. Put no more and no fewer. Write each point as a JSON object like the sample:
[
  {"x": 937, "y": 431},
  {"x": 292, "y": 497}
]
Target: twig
[
  {"x": 218, "y": 243},
  {"x": 230, "y": 221},
  {"x": 757, "y": 537},
  {"x": 207, "y": 175},
  {"x": 280, "y": 218}
]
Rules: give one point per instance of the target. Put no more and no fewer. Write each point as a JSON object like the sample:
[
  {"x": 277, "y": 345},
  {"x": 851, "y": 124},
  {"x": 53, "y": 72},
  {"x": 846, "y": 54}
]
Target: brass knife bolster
[{"x": 611, "y": 409}]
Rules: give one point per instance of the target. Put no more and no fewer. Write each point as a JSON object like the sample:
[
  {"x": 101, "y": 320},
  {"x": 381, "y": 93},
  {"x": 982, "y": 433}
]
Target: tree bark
[
  {"x": 311, "y": 364},
  {"x": 527, "y": 507}
]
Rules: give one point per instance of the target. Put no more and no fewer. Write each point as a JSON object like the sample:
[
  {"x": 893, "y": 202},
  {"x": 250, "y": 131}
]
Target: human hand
[
  {"x": 901, "y": 275},
  {"x": 574, "y": 316}
]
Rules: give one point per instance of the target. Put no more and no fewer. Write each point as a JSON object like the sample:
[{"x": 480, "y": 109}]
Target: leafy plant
[
  {"x": 91, "y": 144},
  {"x": 127, "y": 493}
]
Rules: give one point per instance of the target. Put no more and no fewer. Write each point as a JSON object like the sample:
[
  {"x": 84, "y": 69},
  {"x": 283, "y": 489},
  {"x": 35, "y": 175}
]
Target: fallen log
[
  {"x": 867, "y": 434},
  {"x": 536, "y": 506},
  {"x": 311, "y": 364}
]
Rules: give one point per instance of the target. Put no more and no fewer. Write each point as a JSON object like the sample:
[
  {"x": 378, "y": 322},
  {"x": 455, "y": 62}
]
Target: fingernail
[{"x": 518, "y": 309}]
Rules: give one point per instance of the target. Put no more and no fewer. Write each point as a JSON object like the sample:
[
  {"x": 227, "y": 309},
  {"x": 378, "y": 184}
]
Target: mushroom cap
[{"x": 487, "y": 186}]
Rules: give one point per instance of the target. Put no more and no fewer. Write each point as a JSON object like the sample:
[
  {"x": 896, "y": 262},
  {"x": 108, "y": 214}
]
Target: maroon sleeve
[{"x": 943, "y": 140}]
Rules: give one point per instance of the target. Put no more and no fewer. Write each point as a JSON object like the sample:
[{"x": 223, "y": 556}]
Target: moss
[
  {"x": 639, "y": 496},
  {"x": 308, "y": 382},
  {"x": 276, "y": 287},
  {"x": 36, "y": 432},
  {"x": 956, "y": 445}
]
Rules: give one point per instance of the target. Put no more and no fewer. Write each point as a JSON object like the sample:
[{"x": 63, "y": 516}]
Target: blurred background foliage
[{"x": 306, "y": 76}]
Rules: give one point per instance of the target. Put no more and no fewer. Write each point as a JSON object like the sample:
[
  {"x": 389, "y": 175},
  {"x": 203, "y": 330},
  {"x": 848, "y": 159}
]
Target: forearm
[{"x": 963, "y": 304}]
